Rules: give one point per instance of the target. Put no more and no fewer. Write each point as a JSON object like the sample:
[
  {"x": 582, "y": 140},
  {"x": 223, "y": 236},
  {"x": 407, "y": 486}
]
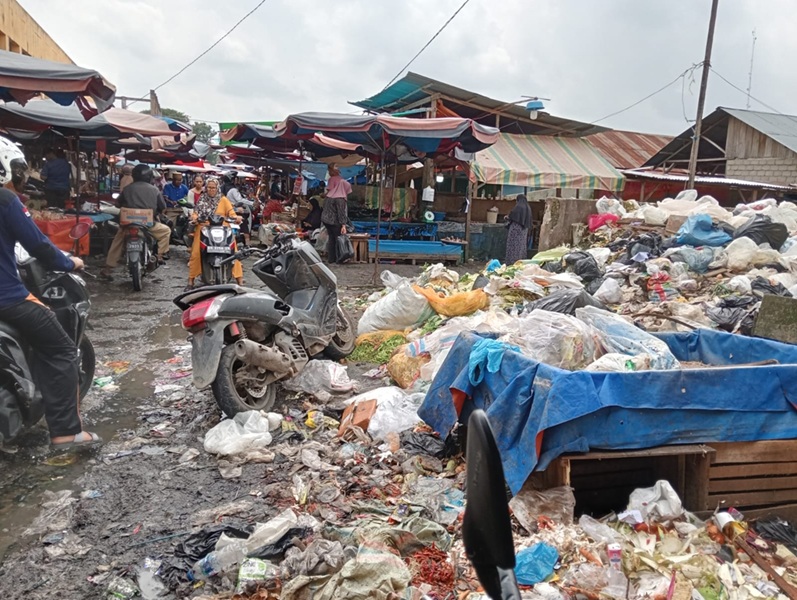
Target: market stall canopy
[
  {"x": 24, "y": 77},
  {"x": 268, "y": 140},
  {"x": 543, "y": 161},
  {"x": 380, "y": 134},
  {"x": 114, "y": 123}
]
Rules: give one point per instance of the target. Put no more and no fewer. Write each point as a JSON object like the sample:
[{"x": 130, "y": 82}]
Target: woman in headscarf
[
  {"x": 127, "y": 177},
  {"x": 211, "y": 202},
  {"x": 517, "y": 239},
  {"x": 313, "y": 220}
]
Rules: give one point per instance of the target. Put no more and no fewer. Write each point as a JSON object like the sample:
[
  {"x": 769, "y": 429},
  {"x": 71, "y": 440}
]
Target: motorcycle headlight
[
  {"x": 78, "y": 278},
  {"x": 217, "y": 235},
  {"x": 205, "y": 231}
]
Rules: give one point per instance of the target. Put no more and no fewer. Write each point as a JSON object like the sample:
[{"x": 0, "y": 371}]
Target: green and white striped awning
[{"x": 542, "y": 161}]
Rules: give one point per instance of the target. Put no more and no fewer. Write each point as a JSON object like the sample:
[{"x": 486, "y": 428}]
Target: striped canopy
[{"x": 543, "y": 161}]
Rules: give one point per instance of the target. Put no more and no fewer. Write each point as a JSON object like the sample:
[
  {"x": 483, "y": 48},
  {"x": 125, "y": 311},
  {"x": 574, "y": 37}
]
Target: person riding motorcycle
[
  {"x": 139, "y": 194},
  {"x": 212, "y": 201},
  {"x": 55, "y": 357}
]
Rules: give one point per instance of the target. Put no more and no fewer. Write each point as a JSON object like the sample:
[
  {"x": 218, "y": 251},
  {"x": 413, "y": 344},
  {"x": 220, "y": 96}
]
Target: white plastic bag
[
  {"x": 743, "y": 253},
  {"x": 620, "y": 363},
  {"x": 601, "y": 255},
  {"x": 320, "y": 376},
  {"x": 659, "y": 503},
  {"x": 246, "y": 431},
  {"x": 600, "y": 532},
  {"x": 398, "y": 310},
  {"x": 654, "y": 215},
  {"x": 609, "y": 292},
  {"x": 611, "y": 206},
  {"x": 618, "y": 335},
  {"x": 687, "y": 195},
  {"x": 556, "y": 339},
  {"x": 391, "y": 280},
  {"x": 396, "y": 411}
]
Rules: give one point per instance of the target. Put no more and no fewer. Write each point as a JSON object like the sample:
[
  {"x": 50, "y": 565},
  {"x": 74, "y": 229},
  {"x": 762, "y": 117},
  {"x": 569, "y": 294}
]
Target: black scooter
[
  {"x": 179, "y": 221},
  {"x": 245, "y": 340},
  {"x": 216, "y": 244},
  {"x": 65, "y": 293},
  {"x": 486, "y": 528}
]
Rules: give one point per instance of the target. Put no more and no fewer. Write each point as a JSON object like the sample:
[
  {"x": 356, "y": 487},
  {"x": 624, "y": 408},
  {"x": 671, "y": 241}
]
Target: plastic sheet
[
  {"x": 618, "y": 335},
  {"x": 246, "y": 431},
  {"x": 556, "y": 339},
  {"x": 535, "y": 564},
  {"x": 398, "y": 310},
  {"x": 555, "y": 503},
  {"x": 321, "y": 376},
  {"x": 600, "y": 532},
  {"x": 699, "y": 230},
  {"x": 565, "y": 301}
]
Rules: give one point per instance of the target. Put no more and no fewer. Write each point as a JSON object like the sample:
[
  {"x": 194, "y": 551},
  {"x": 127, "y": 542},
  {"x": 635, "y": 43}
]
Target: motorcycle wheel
[
  {"x": 88, "y": 362},
  {"x": 342, "y": 343},
  {"x": 135, "y": 273},
  {"x": 233, "y": 397},
  {"x": 218, "y": 276}
]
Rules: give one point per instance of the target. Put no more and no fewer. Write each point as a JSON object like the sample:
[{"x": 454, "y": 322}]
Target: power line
[
  {"x": 638, "y": 102},
  {"x": 746, "y": 93},
  {"x": 439, "y": 31},
  {"x": 216, "y": 43}
]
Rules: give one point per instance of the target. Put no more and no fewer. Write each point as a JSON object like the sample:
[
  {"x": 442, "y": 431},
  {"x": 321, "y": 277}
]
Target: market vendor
[
  {"x": 57, "y": 175},
  {"x": 335, "y": 215},
  {"x": 175, "y": 190}
]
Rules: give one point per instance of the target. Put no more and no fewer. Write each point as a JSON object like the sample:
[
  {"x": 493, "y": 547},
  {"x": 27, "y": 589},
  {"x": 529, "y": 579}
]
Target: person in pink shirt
[{"x": 335, "y": 214}]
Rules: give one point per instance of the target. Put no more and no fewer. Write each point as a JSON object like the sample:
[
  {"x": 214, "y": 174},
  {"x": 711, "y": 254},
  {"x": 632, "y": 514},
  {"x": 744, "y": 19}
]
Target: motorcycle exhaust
[{"x": 265, "y": 357}]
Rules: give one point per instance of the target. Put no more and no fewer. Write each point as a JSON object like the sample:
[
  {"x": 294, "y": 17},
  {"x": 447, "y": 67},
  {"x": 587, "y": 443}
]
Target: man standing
[
  {"x": 56, "y": 174},
  {"x": 139, "y": 194},
  {"x": 175, "y": 190},
  {"x": 55, "y": 357}
]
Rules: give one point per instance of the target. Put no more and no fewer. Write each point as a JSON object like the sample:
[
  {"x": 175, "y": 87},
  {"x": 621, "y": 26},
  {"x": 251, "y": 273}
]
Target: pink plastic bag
[{"x": 597, "y": 221}]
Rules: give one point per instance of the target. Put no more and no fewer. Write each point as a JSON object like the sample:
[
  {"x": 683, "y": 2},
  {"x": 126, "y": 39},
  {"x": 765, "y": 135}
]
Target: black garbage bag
[
  {"x": 584, "y": 265},
  {"x": 762, "y": 287},
  {"x": 647, "y": 243},
  {"x": 726, "y": 318},
  {"x": 345, "y": 249},
  {"x": 734, "y": 311},
  {"x": 415, "y": 443},
  {"x": 553, "y": 266},
  {"x": 565, "y": 302},
  {"x": 777, "y": 529},
  {"x": 174, "y": 570},
  {"x": 278, "y": 548},
  {"x": 481, "y": 282},
  {"x": 594, "y": 285},
  {"x": 762, "y": 230}
]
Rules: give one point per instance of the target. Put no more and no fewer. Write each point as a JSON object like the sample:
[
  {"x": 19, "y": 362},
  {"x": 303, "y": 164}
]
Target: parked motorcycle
[
  {"x": 246, "y": 340},
  {"x": 65, "y": 293},
  {"x": 141, "y": 252},
  {"x": 216, "y": 244},
  {"x": 486, "y": 527},
  {"x": 179, "y": 221}
]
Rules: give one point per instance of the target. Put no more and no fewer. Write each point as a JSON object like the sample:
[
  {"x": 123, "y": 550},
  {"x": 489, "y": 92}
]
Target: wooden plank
[
  {"x": 748, "y": 484},
  {"x": 636, "y": 478},
  {"x": 756, "y": 469},
  {"x": 658, "y": 451},
  {"x": 696, "y": 481},
  {"x": 755, "y": 452},
  {"x": 761, "y": 498}
]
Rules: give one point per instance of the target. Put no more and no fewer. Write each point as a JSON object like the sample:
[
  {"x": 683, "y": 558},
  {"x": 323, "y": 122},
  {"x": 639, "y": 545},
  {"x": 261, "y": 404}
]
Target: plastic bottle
[{"x": 219, "y": 561}]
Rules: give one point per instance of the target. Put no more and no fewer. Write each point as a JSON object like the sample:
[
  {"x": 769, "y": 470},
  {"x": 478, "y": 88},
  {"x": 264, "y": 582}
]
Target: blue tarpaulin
[{"x": 539, "y": 412}]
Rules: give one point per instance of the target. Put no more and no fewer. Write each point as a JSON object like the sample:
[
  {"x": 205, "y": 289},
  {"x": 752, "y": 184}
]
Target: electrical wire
[
  {"x": 745, "y": 92},
  {"x": 439, "y": 31},
  {"x": 213, "y": 45}
]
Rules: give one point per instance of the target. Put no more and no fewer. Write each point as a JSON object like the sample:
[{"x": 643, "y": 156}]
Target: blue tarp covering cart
[{"x": 540, "y": 412}]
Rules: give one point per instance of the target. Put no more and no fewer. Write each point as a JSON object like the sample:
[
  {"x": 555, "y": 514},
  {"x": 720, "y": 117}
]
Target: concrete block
[
  {"x": 560, "y": 214},
  {"x": 777, "y": 319}
]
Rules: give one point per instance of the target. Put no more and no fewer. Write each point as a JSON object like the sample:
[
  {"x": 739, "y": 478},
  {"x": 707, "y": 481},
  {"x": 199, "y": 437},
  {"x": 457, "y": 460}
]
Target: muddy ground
[{"x": 145, "y": 490}]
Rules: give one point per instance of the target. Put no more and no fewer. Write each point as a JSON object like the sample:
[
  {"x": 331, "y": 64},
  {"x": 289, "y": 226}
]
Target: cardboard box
[
  {"x": 357, "y": 415},
  {"x": 674, "y": 223},
  {"x": 136, "y": 216}
]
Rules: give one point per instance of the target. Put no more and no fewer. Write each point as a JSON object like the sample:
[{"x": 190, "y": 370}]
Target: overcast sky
[{"x": 590, "y": 57}]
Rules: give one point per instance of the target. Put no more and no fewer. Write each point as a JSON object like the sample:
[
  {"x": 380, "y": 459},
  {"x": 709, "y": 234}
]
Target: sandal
[{"x": 84, "y": 439}]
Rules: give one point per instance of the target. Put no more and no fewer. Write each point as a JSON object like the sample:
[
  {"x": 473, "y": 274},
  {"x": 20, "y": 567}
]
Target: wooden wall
[{"x": 745, "y": 142}]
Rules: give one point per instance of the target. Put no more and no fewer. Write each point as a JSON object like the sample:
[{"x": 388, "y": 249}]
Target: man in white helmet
[{"x": 55, "y": 356}]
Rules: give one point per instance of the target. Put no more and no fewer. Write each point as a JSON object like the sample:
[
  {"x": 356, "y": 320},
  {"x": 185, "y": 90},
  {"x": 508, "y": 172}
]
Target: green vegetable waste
[{"x": 378, "y": 355}]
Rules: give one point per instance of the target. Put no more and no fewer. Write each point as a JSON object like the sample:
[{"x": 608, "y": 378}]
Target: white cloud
[{"x": 591, "y": 57}]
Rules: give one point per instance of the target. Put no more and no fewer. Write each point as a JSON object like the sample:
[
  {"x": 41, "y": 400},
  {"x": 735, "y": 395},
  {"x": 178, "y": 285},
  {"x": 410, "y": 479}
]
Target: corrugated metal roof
[
  {"x": 781, "y": 128},
  {"x": 414, "y": 87},
  {"x": 628, "y": 149},
  {"x": 724, "y": 181},
  {"x": 545, "y": 161}
]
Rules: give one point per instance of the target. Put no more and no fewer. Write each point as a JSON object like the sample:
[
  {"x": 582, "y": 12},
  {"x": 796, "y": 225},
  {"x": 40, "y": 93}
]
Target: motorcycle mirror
[
  {"x": 79, "y": 231},
  {"x": 115, "y": 195},
  {"x": 486, "y": 528}
]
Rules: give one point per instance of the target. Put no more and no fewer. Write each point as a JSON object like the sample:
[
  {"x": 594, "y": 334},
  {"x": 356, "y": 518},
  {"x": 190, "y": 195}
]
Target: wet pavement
[{"x": 144, "y": 489}]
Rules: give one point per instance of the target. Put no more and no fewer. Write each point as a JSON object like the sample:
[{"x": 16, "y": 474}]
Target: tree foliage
[
  {"x": 172, "y": 114},
  {"x": 204, "y": 132}
]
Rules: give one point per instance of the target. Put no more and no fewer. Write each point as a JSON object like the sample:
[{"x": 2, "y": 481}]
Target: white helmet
[{"x": 12, "y": 164}]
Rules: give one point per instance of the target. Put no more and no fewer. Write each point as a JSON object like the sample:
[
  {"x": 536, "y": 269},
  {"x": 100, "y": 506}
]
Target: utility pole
[
  {"x": 701, "y": 100},
  {"x": 750, "y": 76}
]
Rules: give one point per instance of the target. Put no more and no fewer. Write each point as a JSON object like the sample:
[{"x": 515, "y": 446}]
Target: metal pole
[
  {"x": 379, "y": 216},
  {"x": 701, "y": 101}
]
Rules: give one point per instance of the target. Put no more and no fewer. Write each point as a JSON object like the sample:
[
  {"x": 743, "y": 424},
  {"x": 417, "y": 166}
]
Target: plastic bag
[
  {"x": 396, "y": 411},
  {"x": 762, "y": 230},
  {"x": 697, "y": 259},
  {"x": 618, "y": 335},
  {"x": 762, "y": 287},
  {"x": 400, "y": 309},
  {"x": 245, "y": 431},
  {"x": 417, "y": 442},
  {"x": 658, "y": 503},
  {"x": 660, "y": 289},
  {"x": 600, "y": 532},
  {"x": 457, "y": 305},
  {"x": 699, "y": 230},
  {"x": 405, "y": 369},
  {"x": 595, "y": 222},
  {"x": 556, "y": 339},
  {"x": 611, "y": 206},
  {"x": 654, "y": 215},
  {"x": 620, "y": 363},
  {"x": 743, "y": 253},
  {"x": 391, "y": 280},
  {"x": 555, "y": 503},
  {"x": 609, "y": 292},
  {"x": 739, "y": 285},
  {"x": 535, "y": 564},
  {"x": 551, "y": 255},
  {"x": 584, "y": 265},
  {"x": 601, "y": 255},
  {"x": 687, "y": 195},
  {"x": 565, "y": 302},
  {"x": 345, "y": 249},
  {"x": 320, "y": 376}
]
